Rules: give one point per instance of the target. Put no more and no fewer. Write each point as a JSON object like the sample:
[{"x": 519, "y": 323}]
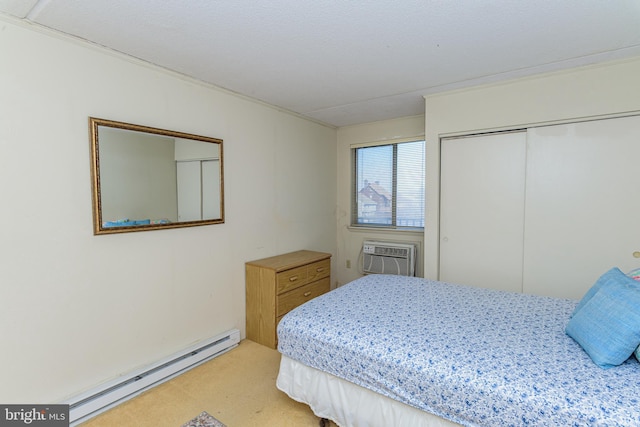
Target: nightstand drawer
[
  {"x": 318, "y": 270},
  {"x": 292, "y": 279},
  {"x": 298, "y": 296}
]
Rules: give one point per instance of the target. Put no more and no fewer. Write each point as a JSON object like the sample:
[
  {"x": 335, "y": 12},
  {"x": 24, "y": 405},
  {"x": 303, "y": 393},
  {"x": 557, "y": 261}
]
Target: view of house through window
[{"x": 389, "y": 185}]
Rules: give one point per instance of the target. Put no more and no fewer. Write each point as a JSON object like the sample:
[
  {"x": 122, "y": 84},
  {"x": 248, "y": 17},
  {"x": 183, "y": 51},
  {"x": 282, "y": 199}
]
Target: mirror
[{"x": 146, "y": 178}]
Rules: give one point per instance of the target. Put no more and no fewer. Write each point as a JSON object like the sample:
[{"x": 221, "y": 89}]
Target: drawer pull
[
  {"x": 306, "y": 294},
  {"x": 320, "y": 269},
  {"x": 293, "y": 278}
]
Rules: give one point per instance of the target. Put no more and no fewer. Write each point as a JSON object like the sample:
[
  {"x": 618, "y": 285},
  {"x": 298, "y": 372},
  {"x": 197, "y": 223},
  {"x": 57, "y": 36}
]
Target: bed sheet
[{"x": 474, "y": 356}]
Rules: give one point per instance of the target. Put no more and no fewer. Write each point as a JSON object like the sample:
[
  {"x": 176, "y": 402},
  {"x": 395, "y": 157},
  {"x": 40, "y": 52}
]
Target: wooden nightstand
[{"x": 277, "y": 285}]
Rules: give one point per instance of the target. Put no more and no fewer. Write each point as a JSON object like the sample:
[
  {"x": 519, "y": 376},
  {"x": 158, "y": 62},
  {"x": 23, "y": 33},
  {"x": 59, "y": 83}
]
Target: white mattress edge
[{"x": 348, "y": 404}]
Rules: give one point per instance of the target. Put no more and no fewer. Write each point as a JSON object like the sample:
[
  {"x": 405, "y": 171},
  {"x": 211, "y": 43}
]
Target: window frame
[{"x": 353, "y": 220}]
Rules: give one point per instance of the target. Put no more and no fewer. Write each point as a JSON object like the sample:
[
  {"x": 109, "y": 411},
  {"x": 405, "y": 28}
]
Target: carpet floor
[{"x": 238, "y": 388}]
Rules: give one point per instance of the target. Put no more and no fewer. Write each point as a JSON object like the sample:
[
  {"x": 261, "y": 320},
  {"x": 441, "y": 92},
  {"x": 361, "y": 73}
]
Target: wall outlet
[{"x": 348, "y": 263}]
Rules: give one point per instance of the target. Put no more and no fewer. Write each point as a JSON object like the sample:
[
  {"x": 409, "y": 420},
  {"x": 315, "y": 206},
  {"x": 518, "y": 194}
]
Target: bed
[{"x": 394, "y": 351}]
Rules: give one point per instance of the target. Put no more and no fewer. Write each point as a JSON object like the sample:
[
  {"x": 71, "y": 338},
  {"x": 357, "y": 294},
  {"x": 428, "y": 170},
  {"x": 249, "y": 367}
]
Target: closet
[
  {"x": 198, "y": 183},
  {"x": 199, "y": 180},
  {"x": 545, "y": 210}
]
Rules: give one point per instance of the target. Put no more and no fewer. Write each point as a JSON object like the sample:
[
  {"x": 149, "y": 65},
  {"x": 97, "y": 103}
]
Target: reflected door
[
  {"x": 189, "y": 190},
  {"x": 198, "y": 189},
  {"x": 211, "y": 189}
]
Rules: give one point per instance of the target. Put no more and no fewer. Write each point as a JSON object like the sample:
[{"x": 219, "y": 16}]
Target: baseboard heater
[{"x": 108, "y": 395}]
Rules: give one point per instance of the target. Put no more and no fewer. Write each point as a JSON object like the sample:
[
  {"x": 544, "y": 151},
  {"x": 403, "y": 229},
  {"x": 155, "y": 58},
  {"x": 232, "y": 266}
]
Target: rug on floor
[{"x": 204, "y": 420}]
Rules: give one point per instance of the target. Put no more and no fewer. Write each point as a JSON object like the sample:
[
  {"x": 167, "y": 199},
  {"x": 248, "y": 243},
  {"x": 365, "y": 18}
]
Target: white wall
[
  {"x": 79, "y": 309},
  {"x": 350, "y": 238},
  {"x": 566, "y": 96}
]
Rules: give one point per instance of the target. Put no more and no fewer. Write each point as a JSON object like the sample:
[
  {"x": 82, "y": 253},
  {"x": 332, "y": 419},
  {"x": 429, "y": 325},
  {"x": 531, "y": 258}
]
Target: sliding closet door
[
  {"x": 582, "y": 204},
  {"x": 211, "y": 189},
  {"x": 189, "y": 190},
  {"x": 482, "y": 210}
]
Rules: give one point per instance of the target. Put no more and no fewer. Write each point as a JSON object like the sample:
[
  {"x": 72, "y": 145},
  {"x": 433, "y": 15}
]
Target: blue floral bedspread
[{"x": 474, "y": 356}]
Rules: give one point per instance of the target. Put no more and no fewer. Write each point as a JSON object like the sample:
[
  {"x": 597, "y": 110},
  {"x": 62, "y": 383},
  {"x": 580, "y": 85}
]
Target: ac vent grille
[
  {"x": 388, "y": 258},
  {"x": 391, "y": 251}
]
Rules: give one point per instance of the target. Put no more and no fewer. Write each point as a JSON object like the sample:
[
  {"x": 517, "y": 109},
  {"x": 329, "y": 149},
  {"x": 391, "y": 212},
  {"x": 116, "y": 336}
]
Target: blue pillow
[
  {"x": 607, "y": 326},
  {"x": 612, "y": 276}
]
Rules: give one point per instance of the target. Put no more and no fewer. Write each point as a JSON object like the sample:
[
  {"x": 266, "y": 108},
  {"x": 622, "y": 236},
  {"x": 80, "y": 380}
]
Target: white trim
[
  {"x": 525, "y": 126},
  {"x": 387, "y": 142}
]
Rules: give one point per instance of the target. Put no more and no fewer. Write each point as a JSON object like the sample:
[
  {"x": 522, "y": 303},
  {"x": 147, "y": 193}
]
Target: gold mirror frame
[{"x": 102, "y": 226}]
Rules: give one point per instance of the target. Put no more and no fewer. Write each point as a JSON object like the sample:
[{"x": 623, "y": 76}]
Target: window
[{"x": 389, "y": 185}]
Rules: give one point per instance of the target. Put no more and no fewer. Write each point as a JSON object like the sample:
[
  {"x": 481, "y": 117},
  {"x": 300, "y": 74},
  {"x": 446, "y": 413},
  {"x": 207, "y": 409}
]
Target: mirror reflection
[{"x": 147, "y": 178}]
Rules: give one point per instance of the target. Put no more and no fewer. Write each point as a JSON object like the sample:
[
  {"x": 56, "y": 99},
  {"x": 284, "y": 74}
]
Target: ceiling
[{"x": 344, "y": 62}]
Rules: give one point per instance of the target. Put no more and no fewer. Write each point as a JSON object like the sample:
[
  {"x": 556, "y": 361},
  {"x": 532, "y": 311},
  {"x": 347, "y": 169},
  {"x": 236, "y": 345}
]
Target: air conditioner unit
[{"x": 388, "y": 258}]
